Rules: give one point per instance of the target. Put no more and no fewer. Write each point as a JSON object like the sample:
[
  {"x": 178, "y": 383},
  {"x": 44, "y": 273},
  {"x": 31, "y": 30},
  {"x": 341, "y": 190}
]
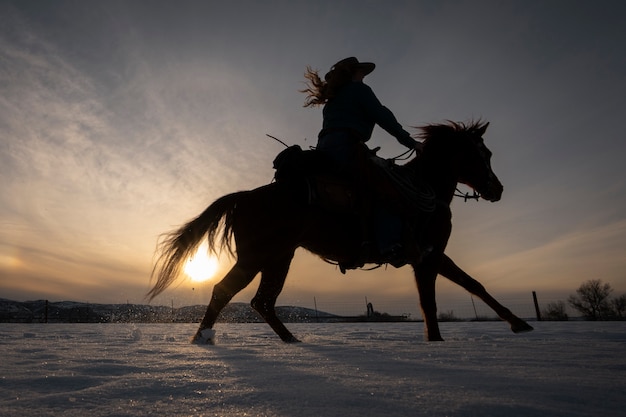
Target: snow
[{"x": 357, "y": 369}]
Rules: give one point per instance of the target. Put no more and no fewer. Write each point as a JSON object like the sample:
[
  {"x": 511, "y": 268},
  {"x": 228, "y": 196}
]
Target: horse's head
[
  {"x": 472, "y": 157},
  {"x": 476, "y": 168}
]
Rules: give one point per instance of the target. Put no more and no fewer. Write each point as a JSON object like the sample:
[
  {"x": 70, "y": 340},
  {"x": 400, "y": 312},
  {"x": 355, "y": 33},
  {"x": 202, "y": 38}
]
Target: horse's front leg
[
  {"x": 436, "y": 232},
  {"x": 455, "y": 274},
  {"x": 425, "y": 276}
]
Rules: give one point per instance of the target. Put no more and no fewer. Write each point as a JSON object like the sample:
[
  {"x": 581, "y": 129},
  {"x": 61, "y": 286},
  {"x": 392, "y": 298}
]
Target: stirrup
[
  {"x": 364, "y": 255},
  {"x": 356, "y": 264},
  {"x": 395, "y": 256},
  {"x": 400, "y": 255}
]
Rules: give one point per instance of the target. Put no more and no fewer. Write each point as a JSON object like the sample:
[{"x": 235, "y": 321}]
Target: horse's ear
[{"x": 483, "y": 129}]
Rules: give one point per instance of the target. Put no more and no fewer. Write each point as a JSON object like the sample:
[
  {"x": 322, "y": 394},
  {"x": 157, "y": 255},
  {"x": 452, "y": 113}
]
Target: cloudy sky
[{"x": 122, "y": 120}]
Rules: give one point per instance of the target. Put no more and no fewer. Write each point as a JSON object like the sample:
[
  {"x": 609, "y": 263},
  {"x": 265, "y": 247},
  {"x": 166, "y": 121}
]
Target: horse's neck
[
  {"x": 444, "y": 188},
  {"x": 440, "y": 174}
]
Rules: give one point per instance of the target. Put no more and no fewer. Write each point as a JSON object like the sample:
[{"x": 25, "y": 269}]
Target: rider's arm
[{"x": 385, "y": 118}]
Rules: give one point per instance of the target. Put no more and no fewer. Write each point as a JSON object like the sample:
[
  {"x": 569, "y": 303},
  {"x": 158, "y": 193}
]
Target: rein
[
  {"x": 404, "y": 155},
  {"x": 467, "y": 196}
]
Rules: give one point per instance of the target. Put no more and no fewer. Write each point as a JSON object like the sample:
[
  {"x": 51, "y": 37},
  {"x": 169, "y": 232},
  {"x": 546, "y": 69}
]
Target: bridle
[{"x": 467, "y": 196}]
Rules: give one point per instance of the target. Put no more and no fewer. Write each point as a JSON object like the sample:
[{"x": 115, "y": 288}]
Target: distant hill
[{"x": 75, "y": 312}]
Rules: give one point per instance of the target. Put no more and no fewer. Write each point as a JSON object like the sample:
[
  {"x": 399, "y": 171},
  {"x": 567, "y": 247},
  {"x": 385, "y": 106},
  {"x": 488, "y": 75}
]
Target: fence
[{"x": 466, "y": 309}]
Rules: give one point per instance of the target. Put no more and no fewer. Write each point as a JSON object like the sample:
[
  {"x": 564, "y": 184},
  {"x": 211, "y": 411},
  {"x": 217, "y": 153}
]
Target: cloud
[
  {"x": 119, "y": 122},
  {"x": 97, "y": 173},
  {"x": 563, "y": 263}
]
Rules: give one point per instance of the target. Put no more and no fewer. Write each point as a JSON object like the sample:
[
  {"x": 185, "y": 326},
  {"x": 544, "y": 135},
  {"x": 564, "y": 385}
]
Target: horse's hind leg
[
  {"x": 450, "y": 270},
  {"x": 236, "y": 280},
  {"x": 272, "y": 280}
]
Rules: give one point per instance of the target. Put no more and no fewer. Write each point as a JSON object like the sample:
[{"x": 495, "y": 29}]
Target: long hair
[{"x": 319, "y": 91}]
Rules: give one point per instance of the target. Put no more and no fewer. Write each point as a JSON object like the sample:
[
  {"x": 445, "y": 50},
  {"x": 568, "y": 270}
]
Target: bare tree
[
  {"x": 619, "y": 306},
  {"x": 555, "y": 311},
  {"x": 592, "y": 299}
]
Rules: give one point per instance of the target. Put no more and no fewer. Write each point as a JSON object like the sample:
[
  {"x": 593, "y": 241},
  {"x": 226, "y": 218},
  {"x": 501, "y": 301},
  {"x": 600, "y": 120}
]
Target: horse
[{"x": 267, "y": 224}]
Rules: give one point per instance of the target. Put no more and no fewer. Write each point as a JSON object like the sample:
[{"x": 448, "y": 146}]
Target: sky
[{"x": 120, "y": 121}]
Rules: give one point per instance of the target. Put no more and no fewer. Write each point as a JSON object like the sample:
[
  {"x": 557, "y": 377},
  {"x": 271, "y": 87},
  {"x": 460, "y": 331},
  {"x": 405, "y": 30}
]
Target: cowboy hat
[{"x": 353, "y": 64}]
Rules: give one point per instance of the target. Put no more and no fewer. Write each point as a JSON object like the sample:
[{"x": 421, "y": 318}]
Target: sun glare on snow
[{"x": 201, "y": 266}]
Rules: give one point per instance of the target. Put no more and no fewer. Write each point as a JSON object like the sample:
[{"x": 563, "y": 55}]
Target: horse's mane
[{"x": 435, "y": 130}]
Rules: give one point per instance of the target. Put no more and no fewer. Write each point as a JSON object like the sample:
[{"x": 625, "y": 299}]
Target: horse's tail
[{"x": 177, "y": 246}]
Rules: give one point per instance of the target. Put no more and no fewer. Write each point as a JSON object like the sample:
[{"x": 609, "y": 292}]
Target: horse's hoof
[
  {"x": 292, "y": 339},
  {"x": 435, "y": 339},
  {"x": 204, "y": 337},
  {"x": 522, "y": 327}
]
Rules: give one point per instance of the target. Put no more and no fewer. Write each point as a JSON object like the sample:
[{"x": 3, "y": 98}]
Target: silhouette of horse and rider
[{"x": 345, "y": 204}]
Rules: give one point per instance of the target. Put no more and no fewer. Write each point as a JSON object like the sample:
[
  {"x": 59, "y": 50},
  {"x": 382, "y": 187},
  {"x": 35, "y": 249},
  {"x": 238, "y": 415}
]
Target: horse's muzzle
[{"x": 493, "y": 191}]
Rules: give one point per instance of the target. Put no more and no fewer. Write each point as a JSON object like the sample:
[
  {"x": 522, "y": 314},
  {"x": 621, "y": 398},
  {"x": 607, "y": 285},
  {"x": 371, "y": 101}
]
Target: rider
[{"x": 351, "y": 109}]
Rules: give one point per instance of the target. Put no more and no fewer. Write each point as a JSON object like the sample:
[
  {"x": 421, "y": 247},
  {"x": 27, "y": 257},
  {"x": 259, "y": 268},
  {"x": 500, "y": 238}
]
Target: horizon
[{"x": 465, "y": 308}]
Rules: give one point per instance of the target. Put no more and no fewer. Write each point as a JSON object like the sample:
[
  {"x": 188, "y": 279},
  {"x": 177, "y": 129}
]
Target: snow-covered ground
[{"x": 365, "y": 369}]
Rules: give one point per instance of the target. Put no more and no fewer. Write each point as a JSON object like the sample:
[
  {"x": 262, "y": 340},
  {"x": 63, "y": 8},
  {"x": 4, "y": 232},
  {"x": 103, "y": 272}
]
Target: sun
[{"x": 201, "y": 266}]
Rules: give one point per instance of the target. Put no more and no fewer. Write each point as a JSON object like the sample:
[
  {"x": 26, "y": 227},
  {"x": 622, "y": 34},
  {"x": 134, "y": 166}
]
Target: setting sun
[{"x": 201, "y": 266}]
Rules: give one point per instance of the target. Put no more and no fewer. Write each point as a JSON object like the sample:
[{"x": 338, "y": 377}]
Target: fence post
[
  {"x": 474, "y": 305},
  {"x": 537, "y": 311}
]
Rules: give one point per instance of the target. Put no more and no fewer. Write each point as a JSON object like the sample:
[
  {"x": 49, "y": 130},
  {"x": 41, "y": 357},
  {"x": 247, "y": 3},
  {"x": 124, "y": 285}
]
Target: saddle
[{"x": 327, "y": 188}]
